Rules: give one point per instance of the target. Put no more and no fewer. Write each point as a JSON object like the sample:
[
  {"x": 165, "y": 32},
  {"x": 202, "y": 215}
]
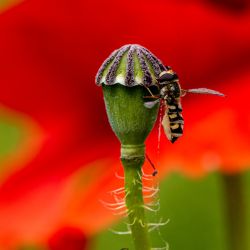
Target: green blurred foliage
[
  {"x": 31, "y": 247},
  {"x": 247, "y": 199},
  {"x": 10, "y": 135},
  {"x": 196, "y": 212}
]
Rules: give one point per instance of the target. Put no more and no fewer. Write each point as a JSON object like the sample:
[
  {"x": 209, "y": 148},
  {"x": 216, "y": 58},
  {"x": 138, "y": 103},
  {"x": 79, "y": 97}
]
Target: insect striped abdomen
[{"x": 175, "y": 118}]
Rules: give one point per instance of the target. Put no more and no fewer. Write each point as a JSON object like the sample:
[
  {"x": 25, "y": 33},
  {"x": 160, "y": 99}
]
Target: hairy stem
[
  {"x": 132, "y": 157},
  {"x": 235, "y": 211}
]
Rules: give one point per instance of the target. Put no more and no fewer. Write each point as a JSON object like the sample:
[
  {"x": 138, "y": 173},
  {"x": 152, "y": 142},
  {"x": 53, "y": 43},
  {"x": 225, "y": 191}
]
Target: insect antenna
[{"x": 152, "y": 165}]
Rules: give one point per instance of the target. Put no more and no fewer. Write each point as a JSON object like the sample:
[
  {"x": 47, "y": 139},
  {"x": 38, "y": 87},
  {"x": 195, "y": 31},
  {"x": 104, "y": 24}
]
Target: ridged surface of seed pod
[{"x": 130, "y": 65}]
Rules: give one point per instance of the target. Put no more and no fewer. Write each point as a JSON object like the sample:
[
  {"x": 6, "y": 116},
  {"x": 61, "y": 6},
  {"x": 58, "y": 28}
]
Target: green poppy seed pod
[
  {"x": 125, "y": 76},
  {"x": 128, "y": 75}
]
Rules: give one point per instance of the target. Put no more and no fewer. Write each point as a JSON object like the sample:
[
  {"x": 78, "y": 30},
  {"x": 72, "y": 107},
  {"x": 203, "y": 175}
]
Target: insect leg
[
  {"x": 153, "y": 166},
  {"x": 151, "y": 97},
  {"x": 148, "y": 89}
]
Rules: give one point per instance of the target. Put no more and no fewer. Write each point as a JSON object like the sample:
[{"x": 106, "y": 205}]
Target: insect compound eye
[{"x": 168, "y": 77}]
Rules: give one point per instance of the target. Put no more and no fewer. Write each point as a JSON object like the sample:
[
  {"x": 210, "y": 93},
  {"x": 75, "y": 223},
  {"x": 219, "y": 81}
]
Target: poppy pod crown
[{"x": 130, "y": 65}]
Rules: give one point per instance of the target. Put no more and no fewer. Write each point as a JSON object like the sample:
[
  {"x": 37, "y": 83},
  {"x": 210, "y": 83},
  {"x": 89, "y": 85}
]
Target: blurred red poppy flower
[
  {"x": 67, "y": 238},
  {"x": 50, "y": 53}
]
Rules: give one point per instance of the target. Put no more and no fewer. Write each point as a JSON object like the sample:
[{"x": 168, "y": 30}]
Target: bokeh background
[{"x": 58, "y": 155}]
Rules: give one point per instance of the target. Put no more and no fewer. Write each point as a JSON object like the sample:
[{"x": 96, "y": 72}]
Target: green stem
[
  {"x": 235, "y": 211},
  {"x": 132, "y": 157}
]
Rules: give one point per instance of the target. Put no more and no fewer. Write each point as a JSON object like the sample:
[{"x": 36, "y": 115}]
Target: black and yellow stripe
[{"x": 176, "y": 121}]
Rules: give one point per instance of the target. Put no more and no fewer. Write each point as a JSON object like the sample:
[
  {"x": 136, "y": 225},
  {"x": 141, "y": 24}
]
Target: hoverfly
[{"x": 170, "y": 93}]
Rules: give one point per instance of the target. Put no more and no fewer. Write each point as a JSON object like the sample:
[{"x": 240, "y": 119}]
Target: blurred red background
[{"x": 66, "y": 154}]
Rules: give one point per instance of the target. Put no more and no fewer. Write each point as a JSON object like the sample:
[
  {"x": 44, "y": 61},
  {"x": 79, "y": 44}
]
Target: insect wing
[
  {"x": 150, "y": 105},
  {"x": 204, "y": 91},
  {"x": 166, "y": 126}
]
